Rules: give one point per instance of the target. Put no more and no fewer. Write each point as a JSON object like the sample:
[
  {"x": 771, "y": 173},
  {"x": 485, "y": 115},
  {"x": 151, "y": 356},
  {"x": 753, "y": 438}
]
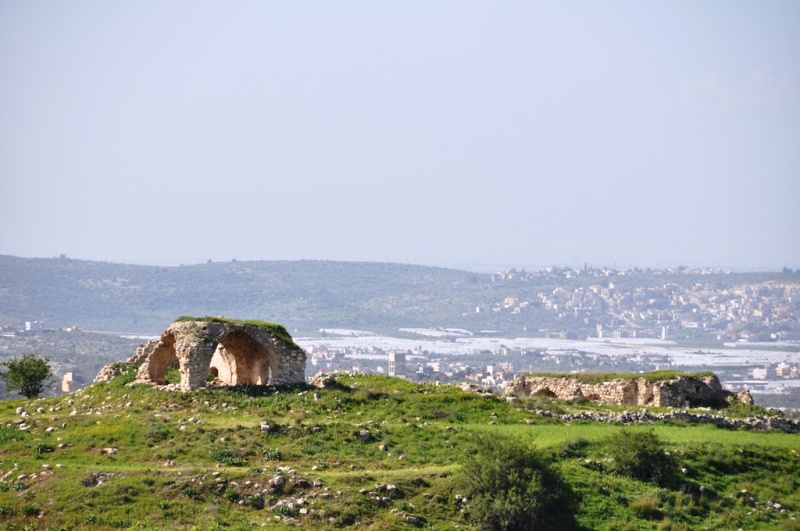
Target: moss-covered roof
[{"x": 275, "y": 329}]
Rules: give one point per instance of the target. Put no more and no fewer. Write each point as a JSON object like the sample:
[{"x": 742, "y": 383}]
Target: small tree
[
  {"x": 511, "y": 486},
  {"x": 27, "y": 375}
]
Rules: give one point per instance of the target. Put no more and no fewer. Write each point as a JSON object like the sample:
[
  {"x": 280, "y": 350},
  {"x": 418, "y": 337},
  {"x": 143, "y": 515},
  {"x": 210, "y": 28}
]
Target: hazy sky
[{"x": 467, "y": 134}]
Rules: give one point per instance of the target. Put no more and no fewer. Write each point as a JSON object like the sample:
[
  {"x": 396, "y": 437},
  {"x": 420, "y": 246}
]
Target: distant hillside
[
  {"x": 307, "y": 295},
  {"x": 302, "y": 294}
]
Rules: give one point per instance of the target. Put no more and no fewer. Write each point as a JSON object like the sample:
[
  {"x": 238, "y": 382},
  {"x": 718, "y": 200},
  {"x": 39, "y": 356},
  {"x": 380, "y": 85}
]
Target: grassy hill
[{"x": 368, "y": 452}]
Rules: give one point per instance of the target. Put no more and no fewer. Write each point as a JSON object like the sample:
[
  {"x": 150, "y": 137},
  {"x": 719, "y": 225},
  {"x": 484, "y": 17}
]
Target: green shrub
[
  {"x": 272, "y": 454},
  {"x": 43, "y": 448},
  {"x": 641, "y": 455},
  {"x": 509, "y": 485},
  {"x": 255, "y": 501},
  {"x": 30, "y": 510},
  {"x": 190, "y": 492},
  {"x": 227, "y": 457}
]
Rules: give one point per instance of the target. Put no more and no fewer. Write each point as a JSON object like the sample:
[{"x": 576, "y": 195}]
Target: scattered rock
[
  {"x": 97, "y": 479},
  {"x": 364, "y": 436},
  {"x": 324, "y": 381}
]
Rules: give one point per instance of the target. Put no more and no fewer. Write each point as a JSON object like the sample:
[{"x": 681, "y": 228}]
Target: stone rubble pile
[{"x": 763, "y": 423}]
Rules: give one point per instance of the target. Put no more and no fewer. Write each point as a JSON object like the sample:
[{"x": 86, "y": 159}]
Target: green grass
[{"x": 161, "y": 474}]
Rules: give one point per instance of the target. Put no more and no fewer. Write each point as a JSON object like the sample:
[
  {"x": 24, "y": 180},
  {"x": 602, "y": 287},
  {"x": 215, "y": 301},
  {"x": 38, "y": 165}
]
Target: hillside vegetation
[{"x": 370, "y": 452}]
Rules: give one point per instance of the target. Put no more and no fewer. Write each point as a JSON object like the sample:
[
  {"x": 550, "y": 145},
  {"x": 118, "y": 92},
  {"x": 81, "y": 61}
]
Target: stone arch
[
  {"x": 240, "y": 359},
  {"x": 163, "y": 357},
  {"x": 233, "y": 352}
]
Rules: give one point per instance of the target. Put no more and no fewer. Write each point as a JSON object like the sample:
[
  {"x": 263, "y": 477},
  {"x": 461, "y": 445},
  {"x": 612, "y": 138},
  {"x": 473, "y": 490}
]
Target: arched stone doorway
[
  {"x": 162, "y": 358},
  {"x": 240, "y": 360}
]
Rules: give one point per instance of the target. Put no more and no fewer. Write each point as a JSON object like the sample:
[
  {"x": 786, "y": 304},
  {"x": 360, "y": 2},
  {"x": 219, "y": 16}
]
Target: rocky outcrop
[
  {"x": 225, "y": 351},
  {"x": 681, "y": 391}
]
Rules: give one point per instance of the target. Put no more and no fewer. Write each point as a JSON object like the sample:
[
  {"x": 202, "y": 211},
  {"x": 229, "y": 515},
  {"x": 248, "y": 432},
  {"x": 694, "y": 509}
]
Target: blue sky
[{"x": 462, "y": 134}]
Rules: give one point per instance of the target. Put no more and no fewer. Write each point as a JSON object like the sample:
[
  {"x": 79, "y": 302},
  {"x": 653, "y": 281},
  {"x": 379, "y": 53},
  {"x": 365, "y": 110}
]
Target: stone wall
[
  {"x": 681, "y": 391},
  {"x": 233, "y": 353}
]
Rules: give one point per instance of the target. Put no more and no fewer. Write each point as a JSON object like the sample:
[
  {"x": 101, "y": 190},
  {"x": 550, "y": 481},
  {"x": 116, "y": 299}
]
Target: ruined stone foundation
[{"x": 681, "y": 391}]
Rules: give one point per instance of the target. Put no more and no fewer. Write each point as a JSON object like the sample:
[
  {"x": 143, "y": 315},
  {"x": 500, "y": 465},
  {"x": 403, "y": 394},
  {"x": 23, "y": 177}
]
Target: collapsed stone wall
[
  {"x": 681, "y": 391},
  {"x": 228, "y": 353}
]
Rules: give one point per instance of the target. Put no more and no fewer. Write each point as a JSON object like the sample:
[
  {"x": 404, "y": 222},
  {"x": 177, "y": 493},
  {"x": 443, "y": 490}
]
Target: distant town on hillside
[{"x": 421, "y": 322}]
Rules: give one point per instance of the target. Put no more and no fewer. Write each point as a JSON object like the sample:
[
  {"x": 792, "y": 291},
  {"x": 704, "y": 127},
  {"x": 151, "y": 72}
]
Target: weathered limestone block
[
  {"x": 113, "y": 369},
  {"x": 107, "y": 373},
  {"x": 143, "y": 352},
  {"x": 745, "y": 397}
]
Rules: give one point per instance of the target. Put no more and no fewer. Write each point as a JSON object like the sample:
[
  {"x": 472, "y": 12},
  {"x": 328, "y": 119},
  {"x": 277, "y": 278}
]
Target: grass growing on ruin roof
[{"x": 275, "y": 329}]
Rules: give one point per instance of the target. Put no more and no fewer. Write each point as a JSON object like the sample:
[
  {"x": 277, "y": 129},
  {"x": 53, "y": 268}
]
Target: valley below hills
[{"x": 449, "y": 325}]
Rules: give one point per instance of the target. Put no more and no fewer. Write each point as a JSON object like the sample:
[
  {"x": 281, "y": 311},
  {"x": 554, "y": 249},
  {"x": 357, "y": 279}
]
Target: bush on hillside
[
  {"x": 641, "y": 455},
  {"x": 509, "y": 485}
]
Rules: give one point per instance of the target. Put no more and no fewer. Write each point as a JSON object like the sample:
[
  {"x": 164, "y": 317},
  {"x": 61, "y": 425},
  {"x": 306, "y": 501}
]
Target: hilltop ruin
[
  {"x": 680, "y": 390},
  {"x": 219, "y": 350}
]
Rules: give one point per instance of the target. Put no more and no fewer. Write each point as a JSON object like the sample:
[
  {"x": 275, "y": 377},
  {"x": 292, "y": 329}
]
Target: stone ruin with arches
[{"x": 218, "y": 351}]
